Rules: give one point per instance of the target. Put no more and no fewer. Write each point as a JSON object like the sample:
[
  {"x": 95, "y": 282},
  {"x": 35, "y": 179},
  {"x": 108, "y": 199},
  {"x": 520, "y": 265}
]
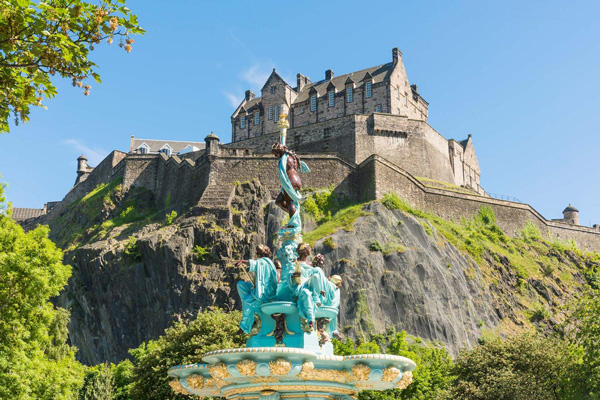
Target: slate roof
[
  {"x": 21, "y": 214},
  {"x": 155, "y": 145},
  {"x": 379, "y": 74}
]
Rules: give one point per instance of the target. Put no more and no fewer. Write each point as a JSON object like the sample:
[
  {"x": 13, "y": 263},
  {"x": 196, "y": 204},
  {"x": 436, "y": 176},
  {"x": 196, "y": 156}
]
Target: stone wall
[{"x": 511, "y": 216}]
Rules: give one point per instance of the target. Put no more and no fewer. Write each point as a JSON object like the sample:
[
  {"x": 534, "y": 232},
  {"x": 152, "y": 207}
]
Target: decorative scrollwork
[
  {"x": 247, "y": 367},
  {"x": 281, "y": 366},
  {"x": 390, "y": 374},
  {"x": 219, "y": 371},
  {"x": 361, "y": 372},
  {"x": 177, "y": 388},
  {"x": 405, "y": 381},
  {"x": 329, "y": 375},
  {"x": 195, "y": 381}
]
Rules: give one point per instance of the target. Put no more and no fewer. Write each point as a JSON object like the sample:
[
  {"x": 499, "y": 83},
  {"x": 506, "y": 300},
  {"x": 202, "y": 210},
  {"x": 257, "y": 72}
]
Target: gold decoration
[
  {"x": 247, "y": 367},
  {"x": 309, "y": 373},
  {"x": 219, "y": 371},
  {"x": 405, "y": 381},
  {"x": 390, "y": 374},
  {"x": 265, "y": 379},
  {"x": 177, "y": 388},
  {"x": 281, "y": 366},
  {"x": 361, "y": 372},
  {"x": 292, "y": 388},
  {"x": 195, "y": 381}
]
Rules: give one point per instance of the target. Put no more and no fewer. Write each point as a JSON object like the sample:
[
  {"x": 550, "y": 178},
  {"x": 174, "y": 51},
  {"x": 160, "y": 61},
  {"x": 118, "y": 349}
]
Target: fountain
[{"x": 290, "y": 310}]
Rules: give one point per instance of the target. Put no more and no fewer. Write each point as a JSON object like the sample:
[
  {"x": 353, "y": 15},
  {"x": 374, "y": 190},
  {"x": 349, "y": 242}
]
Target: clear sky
[{"x": 521, "y": 76}]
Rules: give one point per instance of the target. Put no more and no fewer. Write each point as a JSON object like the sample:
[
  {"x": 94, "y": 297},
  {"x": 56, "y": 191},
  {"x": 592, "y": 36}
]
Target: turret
[
  {"x": 571, "y": 215},
  {"x": 82, "y": 169},
  {"x": 212, "y": 144}
]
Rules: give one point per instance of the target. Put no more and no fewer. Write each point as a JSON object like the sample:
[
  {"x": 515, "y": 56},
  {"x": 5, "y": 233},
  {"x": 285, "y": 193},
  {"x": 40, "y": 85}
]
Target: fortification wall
[
  {"x": 511, "y": 216},
  {"x": 325, "y": 171},
  {"x": 108, "y": 169}
]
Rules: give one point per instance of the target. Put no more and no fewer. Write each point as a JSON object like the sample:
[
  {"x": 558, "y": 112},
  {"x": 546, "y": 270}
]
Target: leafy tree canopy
[
  {"x": 183, "y": 343},
  {"x": 41, "y": 39},
  {"x": 35, "y": 360}
]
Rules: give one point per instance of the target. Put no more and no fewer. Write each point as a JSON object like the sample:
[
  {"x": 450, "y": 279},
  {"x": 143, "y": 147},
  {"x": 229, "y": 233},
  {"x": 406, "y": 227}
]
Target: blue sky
[{"x": 521, "y": 76}]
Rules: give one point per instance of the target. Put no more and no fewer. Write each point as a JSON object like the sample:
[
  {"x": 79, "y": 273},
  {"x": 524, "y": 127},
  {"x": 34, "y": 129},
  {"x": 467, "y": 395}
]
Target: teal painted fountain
[{"x": 290, "y": 310}]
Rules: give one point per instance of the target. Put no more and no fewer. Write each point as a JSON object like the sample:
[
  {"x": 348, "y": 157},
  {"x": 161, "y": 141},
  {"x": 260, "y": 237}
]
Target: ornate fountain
[{"x": 290, "y": 310}]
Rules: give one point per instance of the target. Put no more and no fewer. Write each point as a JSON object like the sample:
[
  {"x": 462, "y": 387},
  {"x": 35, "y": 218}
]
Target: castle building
[
  {"x": 166, "y": 147},
  {"x": 372, "y": 111}
]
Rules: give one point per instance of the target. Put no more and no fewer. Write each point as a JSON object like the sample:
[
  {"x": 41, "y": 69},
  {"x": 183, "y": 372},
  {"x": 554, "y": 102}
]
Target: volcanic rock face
[
  {"x": 415, "y": 282},
  {"x": 131, "y": 284}
]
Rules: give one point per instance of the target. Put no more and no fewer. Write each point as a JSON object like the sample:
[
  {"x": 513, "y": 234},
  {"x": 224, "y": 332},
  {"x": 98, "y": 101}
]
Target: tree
[
  {"x": 528, "y": 366},
  {"x": 431, "y": 379},
  {"x": 35, "y": 360},
  {"x": 98, "y": 384},
  {"x": 583, "y": 331},
  {"x": 39, "y": 40},
  {"x": 183, "y": 343}
]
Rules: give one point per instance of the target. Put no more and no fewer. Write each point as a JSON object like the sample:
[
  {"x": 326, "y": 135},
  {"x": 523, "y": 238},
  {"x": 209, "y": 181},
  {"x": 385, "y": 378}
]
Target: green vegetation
[
  {"x": 36, "y": 361},
  {"x": 392, "y": 247},
  {"x": 132, "y": 249},
  {"x": 329, "y": 243},
  {"x": 375, "y": 246},
  {"x": 184, "y": 343},
  {"x": 44, "y": 40},
  {"x": 528, "y": 254},
  {"x": 202, "y": 254},
  {"x": 343, "y": 219},
  {"x": 170, "y": 217}
]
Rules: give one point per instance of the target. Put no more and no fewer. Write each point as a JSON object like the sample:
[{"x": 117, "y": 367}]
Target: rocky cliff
[{"x": 136, "y": 270}]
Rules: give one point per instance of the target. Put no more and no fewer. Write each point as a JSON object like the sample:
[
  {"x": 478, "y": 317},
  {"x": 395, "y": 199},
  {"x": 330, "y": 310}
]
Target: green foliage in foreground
[
  {"x": 343, "y": 219},
  {"x": 184, "y": 343},
  {"x": 35, "y": 361},
  {"x": 431, "y": 379}
]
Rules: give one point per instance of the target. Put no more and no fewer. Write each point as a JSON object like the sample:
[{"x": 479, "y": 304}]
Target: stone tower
[
  {"x": 82, "y": 169},
  {"x": 571, "y": 215}
]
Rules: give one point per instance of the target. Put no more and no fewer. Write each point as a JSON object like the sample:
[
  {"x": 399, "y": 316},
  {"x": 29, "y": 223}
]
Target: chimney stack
[
  {"x": 328, "y": 75},
  {"x": 249, "y": 95},
  {"x": 301, "y": 81},
  {"x": 396, "y": 55}
]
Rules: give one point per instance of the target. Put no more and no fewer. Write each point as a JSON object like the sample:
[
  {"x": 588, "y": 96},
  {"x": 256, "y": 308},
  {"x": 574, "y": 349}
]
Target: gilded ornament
[
  {"x": 281, "y": 366},
  {"x": 265, "y": 379},
  {"x": 309, "y": 373},
  {"x": 390, "y": 374},
  {"x": 195, "y": 381},
  {"x": 177, "y": 388},
  {"x": 405, "y": 381},
  {"x": 247, "y": 367},
  {"x": 219, "y": 371},
  {"x": 361, "y": 372},
  {"x": 293, "y": 388}
]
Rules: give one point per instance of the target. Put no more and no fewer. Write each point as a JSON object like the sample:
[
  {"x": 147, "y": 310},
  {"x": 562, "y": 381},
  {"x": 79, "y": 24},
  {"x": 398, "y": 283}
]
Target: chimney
[
  {"x": 301, "y": 81},
  {"x": 415, "y": 88},
  {"x": 249, "y": 95},
  {"x": 328, "y": 75},
  {"x": 396, "y": 55}
]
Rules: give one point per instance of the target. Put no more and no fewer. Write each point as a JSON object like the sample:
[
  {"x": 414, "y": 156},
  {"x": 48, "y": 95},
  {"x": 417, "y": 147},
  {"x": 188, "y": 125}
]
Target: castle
[{"x": 364, "y": 133}]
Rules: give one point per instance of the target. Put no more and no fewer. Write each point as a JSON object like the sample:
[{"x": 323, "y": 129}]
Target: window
[
  {"x": 313, "y": 103},
  {"x": 243, "y": 121},
  {"x": 350, "y": 94},
  {"x": 398, "y": 92},
  {"x": 142, "y": 150},
  {"x": 331, "y": 99},
  {"x": 272, "y": 89},
  {"x": 256, "y": 118},
  {"x": 166, "y": 151},
  {"x": 378, "y": 108},
  {"x": 369, "y": 89},
  {"x": 276, "y": 113},
  {"x": 270, "y": 113}
]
